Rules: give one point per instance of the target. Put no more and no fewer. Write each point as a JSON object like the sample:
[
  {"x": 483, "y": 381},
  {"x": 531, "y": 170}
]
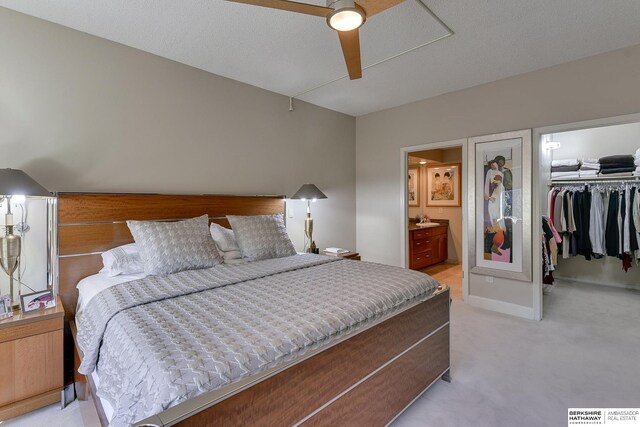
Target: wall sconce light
[{"x": 550, "y": 144}]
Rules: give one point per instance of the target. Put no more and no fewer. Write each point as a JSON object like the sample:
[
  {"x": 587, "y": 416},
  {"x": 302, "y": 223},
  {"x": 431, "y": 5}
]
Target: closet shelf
[{"x": 598, "y": 180}]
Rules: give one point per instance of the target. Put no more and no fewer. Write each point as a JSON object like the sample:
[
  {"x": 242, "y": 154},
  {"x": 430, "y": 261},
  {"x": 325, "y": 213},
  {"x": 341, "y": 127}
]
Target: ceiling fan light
[{"x": 346, "y": 19}]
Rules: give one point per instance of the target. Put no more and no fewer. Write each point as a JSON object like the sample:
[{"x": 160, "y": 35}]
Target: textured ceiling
[{"x": 291, "y": 53}]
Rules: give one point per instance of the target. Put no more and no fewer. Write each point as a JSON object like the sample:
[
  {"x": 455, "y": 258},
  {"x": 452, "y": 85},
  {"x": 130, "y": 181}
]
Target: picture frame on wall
[
  {"x": 413, "y": 186},
  {"x": 500, "y": 226},
  {"x": 37, "y": 301},
  {"x": 444, "y": 185}
]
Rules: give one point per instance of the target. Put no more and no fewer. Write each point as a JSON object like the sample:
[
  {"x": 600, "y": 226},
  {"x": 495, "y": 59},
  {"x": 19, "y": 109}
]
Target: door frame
[
  {"x": 542, "y": 159},
  {"x": 404, "y": 208}
]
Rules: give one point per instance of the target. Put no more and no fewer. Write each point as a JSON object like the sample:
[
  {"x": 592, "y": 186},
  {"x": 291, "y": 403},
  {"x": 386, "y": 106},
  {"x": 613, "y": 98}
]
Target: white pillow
[
  {"x": 225, "y": 238},
  {"x": 122, "y": 260}
]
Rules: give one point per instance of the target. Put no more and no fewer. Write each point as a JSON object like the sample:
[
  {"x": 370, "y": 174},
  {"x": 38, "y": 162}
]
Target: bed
[{"x": 305, "y": 339}]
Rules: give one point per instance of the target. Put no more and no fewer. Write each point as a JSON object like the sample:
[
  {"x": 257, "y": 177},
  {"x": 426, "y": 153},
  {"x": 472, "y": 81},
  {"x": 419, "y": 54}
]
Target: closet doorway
[
  {"x": 433, "y": 233},
  {"x": 589, "y": 193}
]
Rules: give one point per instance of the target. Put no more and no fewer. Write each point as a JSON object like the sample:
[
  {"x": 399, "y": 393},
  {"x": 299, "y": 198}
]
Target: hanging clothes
[
  {"x": 595, "y": 221},
  {"x": 549, "y": 251},
  {"x": 583, "y": 214},
  {"x": 612, "y": 234},
  {"x": 596, "y": 224}
]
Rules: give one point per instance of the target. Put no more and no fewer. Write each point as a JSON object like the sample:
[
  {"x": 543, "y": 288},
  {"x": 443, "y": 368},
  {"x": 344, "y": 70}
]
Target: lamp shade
[
  {"x": 308, "y": 192},
  {"x": 16, "y": 182}
]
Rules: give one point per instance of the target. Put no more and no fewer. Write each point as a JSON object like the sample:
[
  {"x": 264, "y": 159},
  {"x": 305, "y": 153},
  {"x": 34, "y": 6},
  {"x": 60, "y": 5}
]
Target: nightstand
[
  {"x": 347, "y": 255},
  {"x": 31, "y": 361}
]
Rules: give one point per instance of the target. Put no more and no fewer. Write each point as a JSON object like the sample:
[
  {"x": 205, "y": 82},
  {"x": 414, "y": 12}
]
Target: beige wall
[
  {"x": 80, "y": 113},
  {"x": 600, "y": 86},
  {"x": 453, "y": 214}
]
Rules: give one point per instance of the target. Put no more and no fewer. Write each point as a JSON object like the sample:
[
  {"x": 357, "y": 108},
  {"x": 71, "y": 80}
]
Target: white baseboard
[
  {"x": 595, "y": 282},
  {"x": 501, "y": 307}
]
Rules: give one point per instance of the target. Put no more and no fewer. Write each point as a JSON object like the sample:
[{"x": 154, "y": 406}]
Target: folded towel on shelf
[
  {"x": 618, "y": 175},
  {"x": 637, "y": 155},
  {"x": 565, "y": 175},
  {"x": 611, "y": 171},
  {"x": 571, "y": 168},
  {"x": 618, "y": 158},
  {"x": 589, "y": 173},
  {"x": 636, "y": 174},
  {"x": 616, "y": 165},
  {"x": 590, "y": 166},
  {"x": 565, "y": 162},
  {"x": 590, "y": 161}
]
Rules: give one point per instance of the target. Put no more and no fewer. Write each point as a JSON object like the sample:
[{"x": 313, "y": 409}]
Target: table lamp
[
  {"x": 14, "y": 182},
  {"x": 308, "y": 192}
]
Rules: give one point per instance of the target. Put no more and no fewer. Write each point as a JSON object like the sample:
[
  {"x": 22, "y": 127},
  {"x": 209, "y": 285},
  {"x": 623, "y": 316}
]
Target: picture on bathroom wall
[
  {"x": 413, "y": 186},
  {"x": 444, "y": 185},
  {"x": 502, "y": 190}
]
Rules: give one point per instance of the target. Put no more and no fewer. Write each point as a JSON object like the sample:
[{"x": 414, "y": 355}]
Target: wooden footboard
[{"x": 367, "y": 379}]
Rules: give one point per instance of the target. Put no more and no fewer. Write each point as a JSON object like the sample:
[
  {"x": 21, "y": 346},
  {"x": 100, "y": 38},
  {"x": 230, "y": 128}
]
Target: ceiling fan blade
[
  {"x": 373, "y": 7},
  {"x": 350, "y": 41},
  {"x": 291, "y": 6}
]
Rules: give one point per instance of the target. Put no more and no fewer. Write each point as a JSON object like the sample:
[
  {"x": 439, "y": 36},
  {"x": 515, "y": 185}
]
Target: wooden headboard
[{"x": 91, "y": 223}]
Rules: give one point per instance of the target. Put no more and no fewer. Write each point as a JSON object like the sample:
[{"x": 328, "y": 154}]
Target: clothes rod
[{"x": 579, "y": 181}]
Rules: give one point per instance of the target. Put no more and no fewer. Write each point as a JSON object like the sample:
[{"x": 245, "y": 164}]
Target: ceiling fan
[{"x": 344, "y": 16}]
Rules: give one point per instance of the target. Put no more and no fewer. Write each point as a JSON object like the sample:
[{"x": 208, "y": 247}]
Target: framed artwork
[
  {"x": 413, "y": 186},
  {"x": 37, "y": 301},
  {"x": 444, "y": 184},
  {"x": 500, "y": 205}
]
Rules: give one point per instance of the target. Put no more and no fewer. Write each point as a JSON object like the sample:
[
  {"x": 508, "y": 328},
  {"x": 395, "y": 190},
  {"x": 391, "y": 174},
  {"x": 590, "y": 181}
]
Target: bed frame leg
[
  {"x": 446, "y": 376},
  {"x": 82, "y": 390}
]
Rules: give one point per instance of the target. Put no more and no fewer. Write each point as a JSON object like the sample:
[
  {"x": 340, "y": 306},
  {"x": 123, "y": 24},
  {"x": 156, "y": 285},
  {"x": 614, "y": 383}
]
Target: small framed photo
[
  {"x": 413, "y": 186},
  {"x": 37, "y": 301},
  {"x": 5, "y": 307}
]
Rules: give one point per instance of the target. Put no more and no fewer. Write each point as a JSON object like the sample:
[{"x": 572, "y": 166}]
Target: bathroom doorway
[{"x": 433, "y": 210}]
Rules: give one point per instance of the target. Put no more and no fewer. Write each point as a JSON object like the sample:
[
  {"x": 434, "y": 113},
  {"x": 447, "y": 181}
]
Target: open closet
[{"x": 590, "y": 205}]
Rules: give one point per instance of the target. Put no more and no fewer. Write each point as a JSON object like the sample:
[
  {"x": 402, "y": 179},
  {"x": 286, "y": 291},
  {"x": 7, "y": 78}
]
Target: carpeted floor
[
  {"x": 509, "y": 371},
  {"x": 514, "y": 372}
]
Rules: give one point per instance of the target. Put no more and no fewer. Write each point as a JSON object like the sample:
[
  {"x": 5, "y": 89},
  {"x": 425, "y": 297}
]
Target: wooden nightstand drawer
[
  {"x": 35, "y": 365},
  {"x": 31, "y": 361}
]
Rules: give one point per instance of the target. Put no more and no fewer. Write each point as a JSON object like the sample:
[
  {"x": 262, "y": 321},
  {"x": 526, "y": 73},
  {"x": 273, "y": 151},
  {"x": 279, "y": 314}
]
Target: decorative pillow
[
  {"x": 225, "y": 239},
  {"x": 168, "y": 247},
  {"x": 261, "y": 236},
  {"x": 122, "y": 260}
]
